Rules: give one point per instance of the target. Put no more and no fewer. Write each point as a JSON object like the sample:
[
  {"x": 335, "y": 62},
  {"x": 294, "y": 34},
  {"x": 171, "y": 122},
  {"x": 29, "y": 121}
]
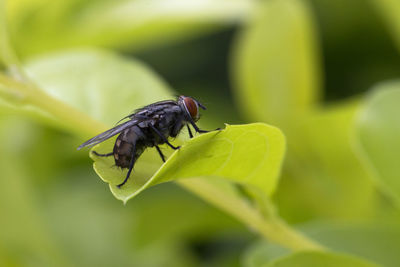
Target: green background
[{"x": 303, "y": 173}]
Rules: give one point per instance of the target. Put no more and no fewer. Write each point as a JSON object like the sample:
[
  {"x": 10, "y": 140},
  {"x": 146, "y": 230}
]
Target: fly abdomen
[
  {"x": 122, "y": 153},
  {"x": 124, "y": 145}
]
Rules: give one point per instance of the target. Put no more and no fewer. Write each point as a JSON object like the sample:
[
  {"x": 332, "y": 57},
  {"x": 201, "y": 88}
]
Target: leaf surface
[
  {"x": 377, "y": 136},
  {"x": 247, "y": 154},
  {"x": 98, "y": 83},
  {"x": 276, "y": 62}
]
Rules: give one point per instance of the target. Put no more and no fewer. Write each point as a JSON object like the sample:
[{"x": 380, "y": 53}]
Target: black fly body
[{"x": 149, "y": 126}]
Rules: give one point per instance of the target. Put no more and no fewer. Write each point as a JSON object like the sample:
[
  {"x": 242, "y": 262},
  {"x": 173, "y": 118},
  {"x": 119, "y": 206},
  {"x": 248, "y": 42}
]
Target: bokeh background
[{"x": 308, "y": 67}]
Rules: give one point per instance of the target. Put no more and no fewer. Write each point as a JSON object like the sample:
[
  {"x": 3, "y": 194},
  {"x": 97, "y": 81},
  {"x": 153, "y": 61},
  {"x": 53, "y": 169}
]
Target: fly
[{"x": 149, "y": 126}]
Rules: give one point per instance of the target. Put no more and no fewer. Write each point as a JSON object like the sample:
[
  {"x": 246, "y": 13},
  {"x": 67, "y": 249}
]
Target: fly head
[{"x": 190, "y": 107}]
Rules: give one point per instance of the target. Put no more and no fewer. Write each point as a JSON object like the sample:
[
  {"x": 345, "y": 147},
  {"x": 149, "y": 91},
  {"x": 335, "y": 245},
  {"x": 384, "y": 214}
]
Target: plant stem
[
  {"x": 273, "y": 228},
  {"x": 68, "y": 116},
  {"x": 27, "y": 94}
]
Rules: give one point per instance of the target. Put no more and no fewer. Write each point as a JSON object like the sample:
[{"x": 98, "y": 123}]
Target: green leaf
[
  {"x": 248, "y": 154},
  {"x": 133, "y": 25},
  {"x": 325, "y": 259},
  {"x": 101, "y": 84},
  {"x": 276, "y": 64},
  {"x": 377, "y": 132}
]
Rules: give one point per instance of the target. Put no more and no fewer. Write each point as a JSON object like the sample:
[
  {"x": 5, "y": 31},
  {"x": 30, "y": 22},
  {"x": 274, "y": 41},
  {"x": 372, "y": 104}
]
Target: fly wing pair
[
  {"x": 110, "y": 133},
  {"x": 137, "y": 117}
]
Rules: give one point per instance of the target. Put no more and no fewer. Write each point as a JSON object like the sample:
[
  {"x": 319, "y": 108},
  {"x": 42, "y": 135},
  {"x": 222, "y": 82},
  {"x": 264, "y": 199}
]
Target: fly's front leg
[
  {"x": 163, "y": 138},
  {"x": 131, "y": 163},
  {"x": 197, "y": 129},
  {"x": 161, "y": 154},
  {"x": 103, "y": 155}
]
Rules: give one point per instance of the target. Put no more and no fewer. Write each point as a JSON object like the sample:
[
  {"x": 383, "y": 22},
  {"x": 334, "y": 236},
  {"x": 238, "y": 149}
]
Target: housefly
[{"x": 149, "y": 126}]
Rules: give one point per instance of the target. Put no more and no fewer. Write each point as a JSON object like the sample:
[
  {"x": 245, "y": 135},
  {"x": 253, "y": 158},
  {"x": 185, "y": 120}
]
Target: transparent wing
[{"x": 109, "y": 133}]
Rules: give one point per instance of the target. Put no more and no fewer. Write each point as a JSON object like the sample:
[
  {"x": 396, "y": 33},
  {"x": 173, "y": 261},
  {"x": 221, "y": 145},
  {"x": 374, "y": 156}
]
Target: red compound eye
[{"x": 191, "y": 106}]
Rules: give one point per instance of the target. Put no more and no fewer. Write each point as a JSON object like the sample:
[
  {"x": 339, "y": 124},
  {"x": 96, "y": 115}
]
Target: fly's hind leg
[
  {"x": 131, "y": 163},
  {"x": 102, "y": 155}
]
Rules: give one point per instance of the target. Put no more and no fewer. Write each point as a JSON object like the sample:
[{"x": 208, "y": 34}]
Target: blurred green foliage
[
  {"x": 319, "y": 259},
  {"x": 377, "y": 130},
  {"x": 71, "y": 68}
]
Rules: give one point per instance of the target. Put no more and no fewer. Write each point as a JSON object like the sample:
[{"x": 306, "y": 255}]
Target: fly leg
[
  {"x": 131, "y": 163},
  {"x": 161, "y": 154},
  {"x": 197, "y": 129},
  {"x": 190, "y": 132},
  {"x": 102, "y": 155},
  {"x": 163, "y": 138}
]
